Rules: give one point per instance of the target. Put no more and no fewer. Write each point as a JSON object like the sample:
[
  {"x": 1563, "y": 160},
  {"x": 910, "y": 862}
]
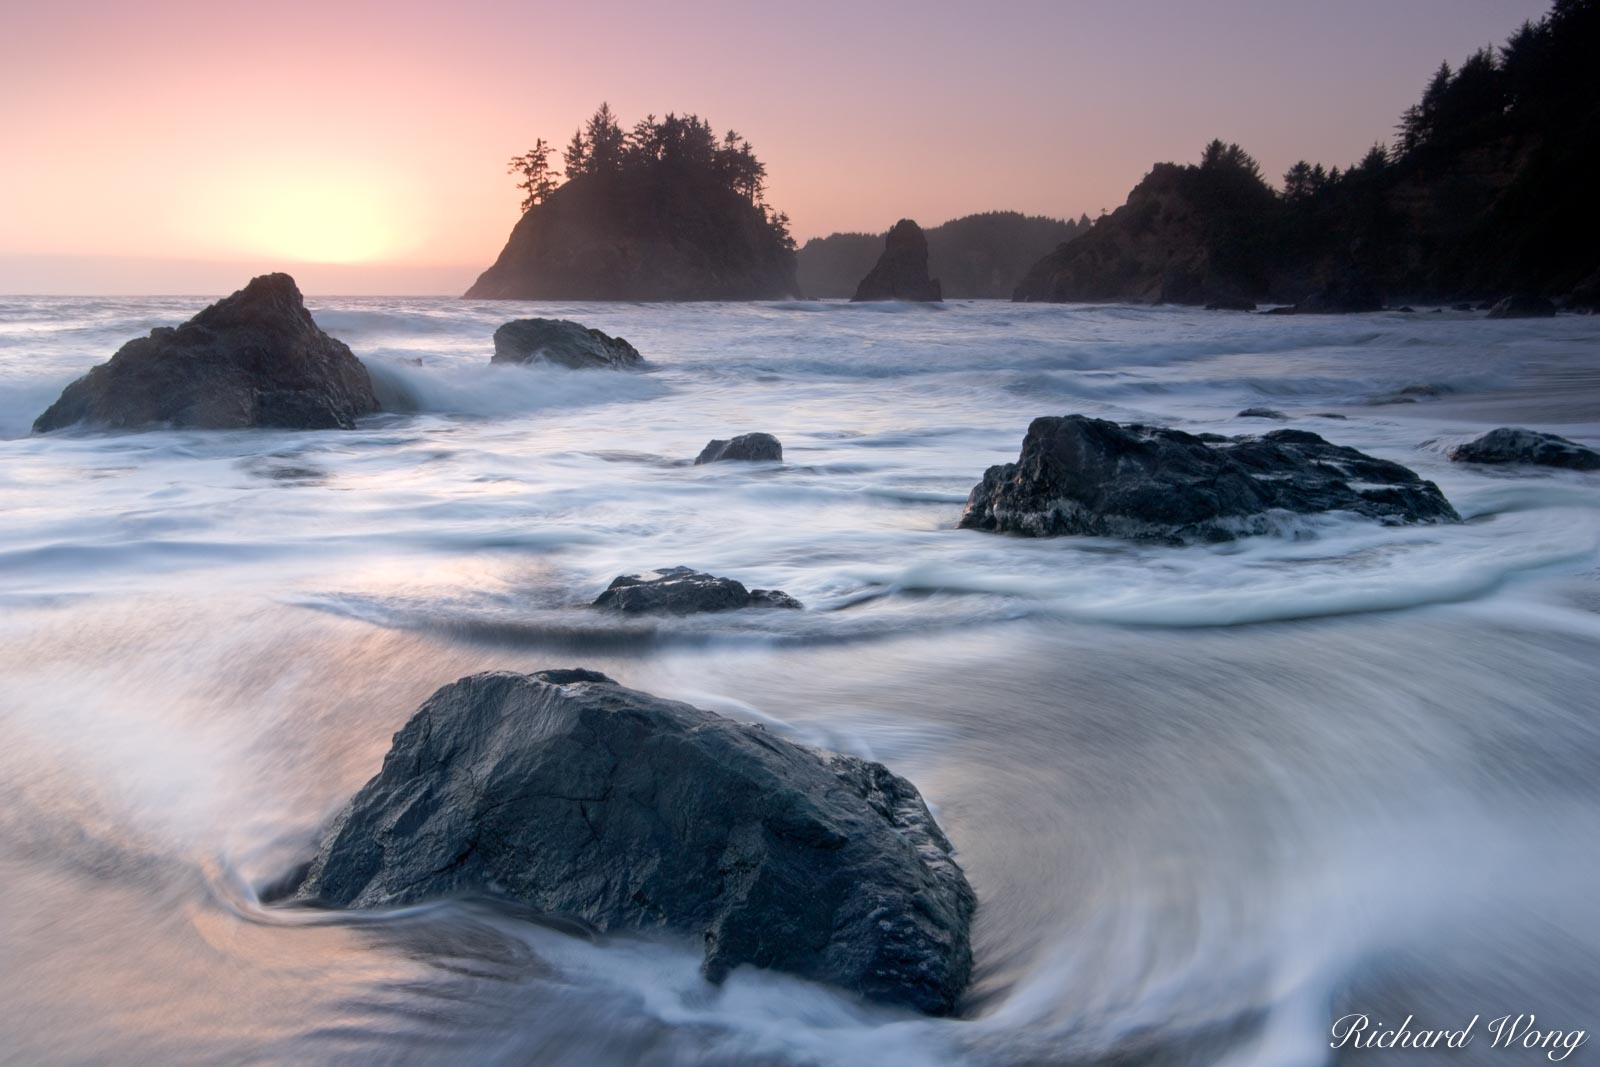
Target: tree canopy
[{"x": 600, "y": 149}]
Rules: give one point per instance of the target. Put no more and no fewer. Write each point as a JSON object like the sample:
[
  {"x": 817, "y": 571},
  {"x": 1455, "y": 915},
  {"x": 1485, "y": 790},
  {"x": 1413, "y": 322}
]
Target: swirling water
[{"x": 1211, "y": 798}]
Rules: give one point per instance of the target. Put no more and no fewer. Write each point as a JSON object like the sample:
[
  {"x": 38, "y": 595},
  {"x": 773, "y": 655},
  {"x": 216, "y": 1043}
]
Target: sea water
[{"x": 1212, "y": 798}]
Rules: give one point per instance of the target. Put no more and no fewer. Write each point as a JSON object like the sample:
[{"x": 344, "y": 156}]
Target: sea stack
[
  {"x": 902, "y": 271},
  {"x": 574, "y": 796},
  {"x": 253, "y": 359}
]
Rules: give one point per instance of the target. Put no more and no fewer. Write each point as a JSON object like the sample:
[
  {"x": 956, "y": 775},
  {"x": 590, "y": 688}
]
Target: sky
[{"x": 171, "y": 146}]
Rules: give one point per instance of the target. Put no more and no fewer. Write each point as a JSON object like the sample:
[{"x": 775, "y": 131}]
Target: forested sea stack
[{"x": 665, "y": 211}]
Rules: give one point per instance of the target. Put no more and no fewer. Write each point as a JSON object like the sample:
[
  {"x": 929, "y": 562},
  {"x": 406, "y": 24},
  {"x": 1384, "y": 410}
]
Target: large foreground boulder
[
  {"x": 579, "y": 798},
  {"x": 563, "y": 342},
  {"x": 682, "y": 591},
  {"x": 747, "y": 447},
  {"x": 1514, "y": 445},
  {"x": 901, "y": 273},
  {"x": 1078, "y": 475},
  {"x": 253, "y": 359}
]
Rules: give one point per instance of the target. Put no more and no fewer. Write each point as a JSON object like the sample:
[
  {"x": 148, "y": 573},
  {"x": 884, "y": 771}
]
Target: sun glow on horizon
[{"x": 310, "y": 219}]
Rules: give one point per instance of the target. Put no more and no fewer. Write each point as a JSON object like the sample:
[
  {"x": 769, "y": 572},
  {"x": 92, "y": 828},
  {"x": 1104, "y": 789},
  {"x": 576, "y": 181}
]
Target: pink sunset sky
[{"x": 179, "y": 147}]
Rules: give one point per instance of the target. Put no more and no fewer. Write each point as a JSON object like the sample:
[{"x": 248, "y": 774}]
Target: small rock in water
[
  {"x": 1523, "y": 307},
  {"x": 749, "y": 447},
  {"x": 1261, "y": 413},
  {"x": 563, "y": 342},
  {"x": 579, "y": 798},
  {"x": 253, "y": 359},
  {"x": 683, "y": 591},
  {"x": 1514, "y": 445},
  {"x": 1078, "y": 475}
]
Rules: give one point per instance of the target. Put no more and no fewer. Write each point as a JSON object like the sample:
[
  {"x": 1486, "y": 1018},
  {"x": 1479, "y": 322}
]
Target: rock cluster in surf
[
  {"x": 1078, "y": 475},
  {"x": 577, "y": 797},
  {"x": 562, "y": 342},
  {"x": 683, "y": 591},
  {"x": 253, "y": 359}
]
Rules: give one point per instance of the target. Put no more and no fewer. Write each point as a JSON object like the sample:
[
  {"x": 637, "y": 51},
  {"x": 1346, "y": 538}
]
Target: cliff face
[
  {"x": 658, "y": 234},
  {"x": 979, "y": 256},
  {"x": 1184, "y": 236}
]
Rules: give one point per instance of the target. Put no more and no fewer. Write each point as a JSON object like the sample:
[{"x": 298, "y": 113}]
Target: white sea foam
[{"x": 1206, "y": 794}]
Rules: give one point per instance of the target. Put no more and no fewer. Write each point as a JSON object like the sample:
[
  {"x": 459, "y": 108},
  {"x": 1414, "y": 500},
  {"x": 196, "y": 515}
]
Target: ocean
[{"x": 1212, "y": 798}]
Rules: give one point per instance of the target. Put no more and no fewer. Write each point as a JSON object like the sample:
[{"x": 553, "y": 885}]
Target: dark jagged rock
[
  {"x": 1261, "y": 413},
  {"x": 579, "y": 798},
  {"x": 1514, "y": 445},
  {"x": 901, "y": 273},
  {"x": 563, "y": 342},
  {"x": 682, "y": 591},
  {"x": 1523, "y": 307},
  {"x": 253, "y": 359},
  {"x": 747, "y": 447},
  {"x": 1078, "y": 475}
]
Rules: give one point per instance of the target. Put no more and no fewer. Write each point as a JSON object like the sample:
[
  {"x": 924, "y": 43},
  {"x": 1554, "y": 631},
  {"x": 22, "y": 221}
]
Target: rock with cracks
[
  {"x": 576, "y": 797},
  {"x": 682, "y": 591},
  {"x": 1078, "y": 475}
]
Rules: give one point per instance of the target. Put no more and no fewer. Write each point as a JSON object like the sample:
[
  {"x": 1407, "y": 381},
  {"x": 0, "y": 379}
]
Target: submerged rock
[
  {"x": 562, "y": 342},
  {"x": 1514, "y": 445},
  {"x": 1078, "y": 475},
  {"x": 682, "y": 591},
  {"x": 901, "y": 273},
  {"x": 748, "y": 447},
  {"x": 1524, "y": 306},
  {"x": 253, "y": 359},
  {"x": 579, "y": 798},
  {"x": 1350, "y": 296}
]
